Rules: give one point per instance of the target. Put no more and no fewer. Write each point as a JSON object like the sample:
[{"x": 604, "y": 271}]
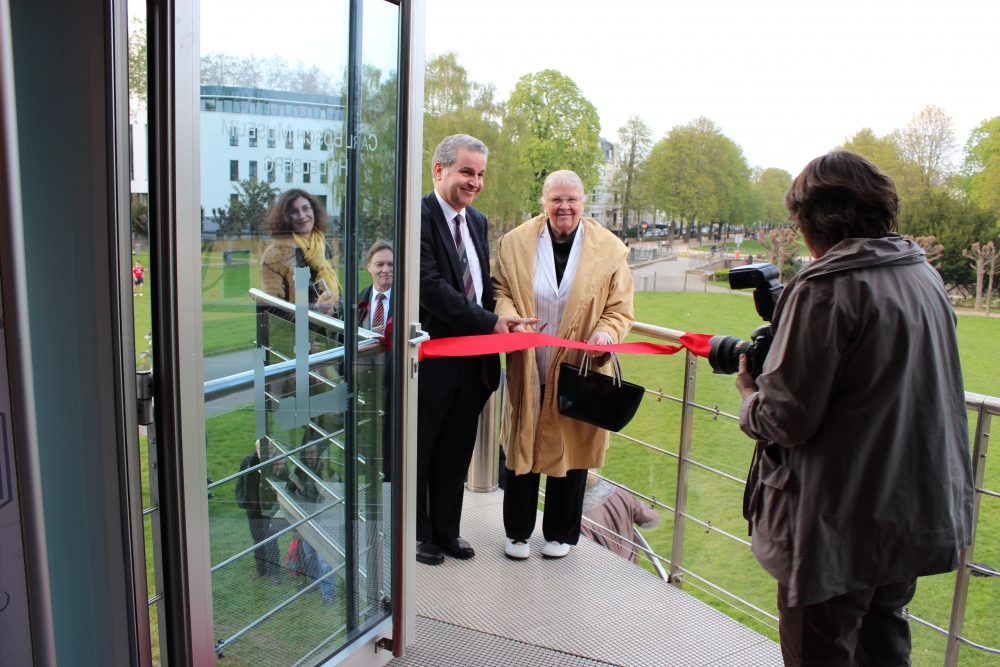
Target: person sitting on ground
[
  {"x": 303, "y": 482},
  {"x": 248, "y": 488},
  {"x": 613, "y": 513},
  {"x": 296, "y": 223}
]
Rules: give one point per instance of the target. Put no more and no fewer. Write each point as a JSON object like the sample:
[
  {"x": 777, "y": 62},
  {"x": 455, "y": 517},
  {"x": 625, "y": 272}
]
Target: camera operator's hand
[{"x": 744, "y": 381}]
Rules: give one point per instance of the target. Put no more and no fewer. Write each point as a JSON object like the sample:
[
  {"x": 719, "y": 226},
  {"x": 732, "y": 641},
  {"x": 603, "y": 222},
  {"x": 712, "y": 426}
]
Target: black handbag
[{"x": 596, "y": 399}]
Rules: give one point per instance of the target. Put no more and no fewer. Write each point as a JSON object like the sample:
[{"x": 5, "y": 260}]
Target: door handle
[{"x": 417, "y": 335}]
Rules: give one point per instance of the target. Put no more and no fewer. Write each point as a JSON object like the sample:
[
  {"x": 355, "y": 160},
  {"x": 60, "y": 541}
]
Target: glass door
[{"x": 295, "y": 139}]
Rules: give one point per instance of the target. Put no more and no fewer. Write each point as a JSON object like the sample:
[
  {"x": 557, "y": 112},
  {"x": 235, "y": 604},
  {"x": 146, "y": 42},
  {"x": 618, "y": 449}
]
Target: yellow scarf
[{"x": 314, "y": 250}]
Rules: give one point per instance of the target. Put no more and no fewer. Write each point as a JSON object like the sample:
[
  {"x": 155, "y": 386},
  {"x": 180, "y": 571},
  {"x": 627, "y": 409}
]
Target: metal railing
[{"x": 985, "y": 408}]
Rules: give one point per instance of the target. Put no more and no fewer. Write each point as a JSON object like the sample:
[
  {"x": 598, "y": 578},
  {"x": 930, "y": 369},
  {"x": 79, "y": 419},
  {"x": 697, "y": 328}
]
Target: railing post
[
  {"x": 683, "y": 465},
  {"x": 484, "y": 470},
  {"x": 979, "y": 448}
]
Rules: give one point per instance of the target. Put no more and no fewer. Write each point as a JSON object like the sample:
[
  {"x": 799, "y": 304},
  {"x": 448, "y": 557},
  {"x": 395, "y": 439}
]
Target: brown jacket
[
  {"x": 278, "y": 264},
  {"x": 615, "y": 511},
  {"x": 540, "y": 439},
  {"x": 862, "y": 476}
]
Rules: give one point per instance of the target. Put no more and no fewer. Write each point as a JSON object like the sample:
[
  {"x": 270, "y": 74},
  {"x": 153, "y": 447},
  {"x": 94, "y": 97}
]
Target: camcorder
[{"x": 724, "y": 351}]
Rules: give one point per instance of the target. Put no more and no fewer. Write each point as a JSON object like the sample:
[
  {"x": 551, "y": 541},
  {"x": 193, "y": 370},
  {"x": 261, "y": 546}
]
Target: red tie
[{"x": 378, "y": 317}]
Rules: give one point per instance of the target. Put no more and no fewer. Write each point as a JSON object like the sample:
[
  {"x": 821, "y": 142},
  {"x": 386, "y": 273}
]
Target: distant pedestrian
[
  {"x": 615, "y": 511},
  {"x": 138, "y": 271}
]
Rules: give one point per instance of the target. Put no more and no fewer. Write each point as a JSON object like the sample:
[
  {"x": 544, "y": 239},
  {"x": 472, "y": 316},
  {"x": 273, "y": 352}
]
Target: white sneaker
[
  {"x": 556, "y": 549},
  {"x": 516, "y": 550}
]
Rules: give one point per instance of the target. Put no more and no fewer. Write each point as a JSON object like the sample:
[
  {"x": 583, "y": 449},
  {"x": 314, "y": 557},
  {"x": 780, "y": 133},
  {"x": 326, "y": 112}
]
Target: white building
[{"x": 601, "y": 202}]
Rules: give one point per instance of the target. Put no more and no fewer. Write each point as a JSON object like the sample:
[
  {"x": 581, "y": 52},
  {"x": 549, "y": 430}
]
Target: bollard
[
  {"x": 654, "y": 281},
  {"x": 644, "y": 280},
  {"x": 484, "y": 470}
]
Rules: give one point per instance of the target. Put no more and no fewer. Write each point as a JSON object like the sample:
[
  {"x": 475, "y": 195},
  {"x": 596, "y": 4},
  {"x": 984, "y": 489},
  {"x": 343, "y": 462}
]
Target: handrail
[
  {"x": 314, "y": 316},
  {"x": 222, "y": 387}
]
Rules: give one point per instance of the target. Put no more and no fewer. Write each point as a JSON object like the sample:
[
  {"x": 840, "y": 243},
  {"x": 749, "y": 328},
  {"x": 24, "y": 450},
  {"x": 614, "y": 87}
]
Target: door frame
[{"x": 174, "y": 195}]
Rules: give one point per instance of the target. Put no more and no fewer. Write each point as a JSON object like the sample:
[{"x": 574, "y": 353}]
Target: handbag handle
[{"x": 616, "y": 364}]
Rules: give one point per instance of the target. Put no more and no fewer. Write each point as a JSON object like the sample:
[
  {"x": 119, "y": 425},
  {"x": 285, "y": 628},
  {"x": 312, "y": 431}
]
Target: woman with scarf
[
  {"x": 296, "y": 222},
  {"x": 573, "y": 275}
]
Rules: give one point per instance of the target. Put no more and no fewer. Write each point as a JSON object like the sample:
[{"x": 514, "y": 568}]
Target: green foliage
[
  {"x": 769, "y": 186},
  {"x": 137, "y": 61},
  {"x": 248, "y": 211},
  {"x": 456, "y": 105},
  {"x": 722, "y": 275},
  {"x": 699, "y": 175},
  {"x": 956, "y": 224},
  {"x": 139, "y": 216},
  {"x": 982, "y": 165},
  {"x": 562, "y": 129},
  {"x": 635, "y": 139}
]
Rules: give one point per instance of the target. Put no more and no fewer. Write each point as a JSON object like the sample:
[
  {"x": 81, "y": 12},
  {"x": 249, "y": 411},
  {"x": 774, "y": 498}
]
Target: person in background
[
  {"x": 373, "y": 314},
  {"x": 615, "y": 512},
  {"x": 248, "y": 498},
  {"x": 138, "y": 271},
  {"x": 861, "y": 480},
  {"x": 571, "y": 274},
  {"x": 303, "y": 483},
  {"x": 456, "y": 299},
  {"x": 296, "y": 223}
]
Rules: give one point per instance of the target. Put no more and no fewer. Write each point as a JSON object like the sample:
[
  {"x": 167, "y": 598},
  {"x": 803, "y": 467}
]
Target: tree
[
  {"x": 248, "y": 210},
  {"x": 778, "y": 243},
  {"x": 635, "y": 138},
  {"x": 140, "y": 218},
  {"x": 927, "y": 144},
  {"x": 984, "y": 258},
  {"x": 956, "y": 223},
  {"x": 932, "y": 249},
  {"x": 884, "y": 153},
  {"x": 771, "y": 185},
  {"x": 464, "y": 106},
  {"x": 700, "y": 175},
  {"x": 982, "y": 165},
  {"x": 561, "y": 131},
  {"x": 137, "y": 63},
  {"x": 273, "y": 73}
]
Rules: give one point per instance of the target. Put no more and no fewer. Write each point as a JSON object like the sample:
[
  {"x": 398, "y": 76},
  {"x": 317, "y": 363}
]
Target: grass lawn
[
  {"x": 720, "y": 444},
  {"x": 752, "y": 247},
  {"x": 228, "y": 324}
]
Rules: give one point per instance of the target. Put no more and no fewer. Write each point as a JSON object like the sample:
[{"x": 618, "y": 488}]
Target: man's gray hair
[
  {"x": 381, "y": 244},
  {"x": 446, "y": 151},
  {"x": 565, "y": 178}
]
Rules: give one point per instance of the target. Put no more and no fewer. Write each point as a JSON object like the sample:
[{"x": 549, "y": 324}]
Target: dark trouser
[
  {"x": 446, "y": 436},
  {"x": 861, "y": 628},
  {"x": 563, "y": 506},
  {"x": 266, "y": 555}
]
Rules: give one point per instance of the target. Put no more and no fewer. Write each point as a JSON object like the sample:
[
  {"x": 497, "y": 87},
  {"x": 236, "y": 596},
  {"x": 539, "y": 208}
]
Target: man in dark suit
[
  {"x": 456, "y": 299},
  {"x": 373, "y": 314}
]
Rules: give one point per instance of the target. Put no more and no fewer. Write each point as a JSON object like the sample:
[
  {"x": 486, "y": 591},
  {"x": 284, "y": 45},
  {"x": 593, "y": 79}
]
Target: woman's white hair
[{"x": 563, "y": 177}]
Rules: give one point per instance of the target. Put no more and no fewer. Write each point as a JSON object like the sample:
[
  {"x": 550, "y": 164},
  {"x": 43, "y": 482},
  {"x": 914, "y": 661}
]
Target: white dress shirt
[
  {"x": 367, "y": 324},
  {"x": 550, "y": 298},
  {"x": 470, "y": 247}
]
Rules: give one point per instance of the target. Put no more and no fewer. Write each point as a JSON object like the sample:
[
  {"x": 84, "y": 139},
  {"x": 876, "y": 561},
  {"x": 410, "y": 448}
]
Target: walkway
[
  {"x": 590, "y": 608},
  {"x": 670, "y": 278}
]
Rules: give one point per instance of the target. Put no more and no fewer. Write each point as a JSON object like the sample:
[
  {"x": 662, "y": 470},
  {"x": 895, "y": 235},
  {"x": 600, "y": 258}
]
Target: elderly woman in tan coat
[{"x": 573, "y": 275}]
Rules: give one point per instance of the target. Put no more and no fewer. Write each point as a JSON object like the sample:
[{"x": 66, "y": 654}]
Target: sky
[{"x": 786, "y": 79}]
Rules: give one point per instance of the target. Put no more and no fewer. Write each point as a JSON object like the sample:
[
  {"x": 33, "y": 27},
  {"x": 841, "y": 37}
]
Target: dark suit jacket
[{"x": 445, "y": 312}]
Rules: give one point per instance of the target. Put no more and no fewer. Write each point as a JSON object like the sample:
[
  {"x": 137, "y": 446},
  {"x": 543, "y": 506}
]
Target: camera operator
[{"x": 862, "y": 479}]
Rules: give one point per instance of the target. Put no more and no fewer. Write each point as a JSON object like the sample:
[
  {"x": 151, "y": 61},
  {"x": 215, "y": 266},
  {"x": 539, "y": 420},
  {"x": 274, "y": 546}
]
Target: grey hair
[
  {"x": 380, "y": 244},
  {"x": 566, "y": 178},
  {"x": 445, "y": 153}
]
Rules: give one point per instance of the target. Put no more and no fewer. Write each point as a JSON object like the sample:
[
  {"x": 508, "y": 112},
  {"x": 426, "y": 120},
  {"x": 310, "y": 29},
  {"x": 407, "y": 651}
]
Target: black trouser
[
  {"x": 266, "y": 555},
  {"x": 446, "y": 436},
  {"x": 563, "y": 506},
  {"x": 861, "y": 628}
]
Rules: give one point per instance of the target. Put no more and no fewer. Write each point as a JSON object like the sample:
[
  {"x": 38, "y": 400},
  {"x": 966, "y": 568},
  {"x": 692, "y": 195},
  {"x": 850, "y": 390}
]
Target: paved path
[
  {"x": 590, "y": 608},
  {"x": 669, "y": 277}
]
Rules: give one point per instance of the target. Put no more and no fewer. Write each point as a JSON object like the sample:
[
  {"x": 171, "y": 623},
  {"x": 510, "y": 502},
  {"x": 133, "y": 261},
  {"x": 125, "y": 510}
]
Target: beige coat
[{"x": 540, "y": 439}]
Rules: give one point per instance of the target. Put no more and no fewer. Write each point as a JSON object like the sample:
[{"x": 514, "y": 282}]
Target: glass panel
[{"x": 295, "y": 363}]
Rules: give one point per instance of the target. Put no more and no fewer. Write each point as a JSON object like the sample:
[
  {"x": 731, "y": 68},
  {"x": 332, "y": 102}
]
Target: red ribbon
[{"x": 470, "y": 346}]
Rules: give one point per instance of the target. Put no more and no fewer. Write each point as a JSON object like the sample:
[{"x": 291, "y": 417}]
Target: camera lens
[{"x": 724, "y": 354}]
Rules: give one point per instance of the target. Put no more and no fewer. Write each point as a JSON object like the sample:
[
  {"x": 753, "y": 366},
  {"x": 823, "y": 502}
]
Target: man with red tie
[{"x": 456, "y": 299}]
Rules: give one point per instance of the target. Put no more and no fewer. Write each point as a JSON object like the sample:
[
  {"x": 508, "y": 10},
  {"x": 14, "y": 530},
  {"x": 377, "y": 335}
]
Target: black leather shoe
[
  {"x": 429, "y": 553},
  {"x": 458, "y": 548}
]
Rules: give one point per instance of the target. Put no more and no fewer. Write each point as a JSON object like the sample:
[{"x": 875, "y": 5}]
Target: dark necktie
[
  {"x": 463, "y": 261},
  {"x": 378, "y": 317}
]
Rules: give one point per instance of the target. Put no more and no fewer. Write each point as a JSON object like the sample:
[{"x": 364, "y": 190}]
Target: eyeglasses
[
  {"x": 296, "y": 211},
  {"x": 559, "y": 201}
]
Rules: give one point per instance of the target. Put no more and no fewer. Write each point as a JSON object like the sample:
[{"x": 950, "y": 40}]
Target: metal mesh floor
[{"x": 591, "y": 605}]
